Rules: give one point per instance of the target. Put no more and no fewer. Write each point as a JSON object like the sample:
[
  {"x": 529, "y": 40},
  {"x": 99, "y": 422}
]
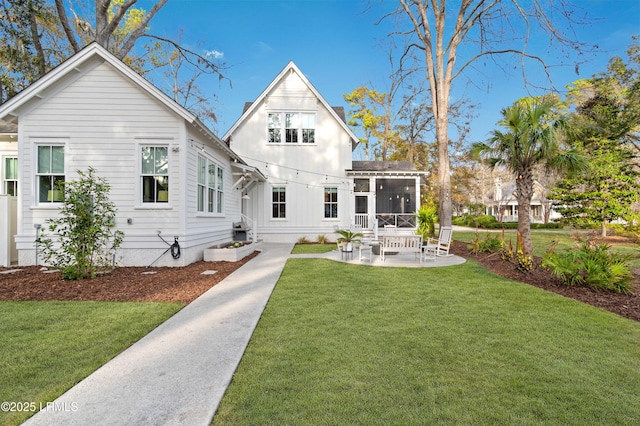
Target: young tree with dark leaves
[{"x": 607, "y": 120}]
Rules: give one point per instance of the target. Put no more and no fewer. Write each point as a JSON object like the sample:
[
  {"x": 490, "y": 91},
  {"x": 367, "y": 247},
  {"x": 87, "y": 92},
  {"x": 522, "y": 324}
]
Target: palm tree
[{"x": 532, "y": 137}]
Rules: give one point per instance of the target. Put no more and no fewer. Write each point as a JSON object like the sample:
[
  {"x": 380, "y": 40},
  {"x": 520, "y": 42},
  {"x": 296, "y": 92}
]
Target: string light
[
  {"x": 278, "y": 180},
  {"x": 297, "y": 170}
]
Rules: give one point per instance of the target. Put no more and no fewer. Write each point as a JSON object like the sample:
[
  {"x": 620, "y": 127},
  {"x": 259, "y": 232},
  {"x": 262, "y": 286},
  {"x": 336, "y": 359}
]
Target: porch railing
[
  {"x": 399, "y": 220},
  {"x": 362, "y": 220}
]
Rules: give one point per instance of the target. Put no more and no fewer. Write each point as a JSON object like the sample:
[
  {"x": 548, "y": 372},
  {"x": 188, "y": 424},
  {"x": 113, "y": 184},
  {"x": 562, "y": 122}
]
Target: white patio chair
[{"x": 439, "y": 247}]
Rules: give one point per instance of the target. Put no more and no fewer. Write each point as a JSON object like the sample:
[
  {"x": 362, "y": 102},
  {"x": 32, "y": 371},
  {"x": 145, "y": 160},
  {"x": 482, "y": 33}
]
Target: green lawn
[
  {"x": 313, "y": 248},
  {"x": 352, "y": 344},
  {"x": 47, "y": 347}
]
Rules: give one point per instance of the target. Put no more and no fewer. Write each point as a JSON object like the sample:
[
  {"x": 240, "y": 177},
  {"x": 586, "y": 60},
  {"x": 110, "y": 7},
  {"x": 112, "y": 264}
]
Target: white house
[
  {"x": 285, "y": 167},
  {"x": 171, "y": 178},
  {"x": 303, "y": 146}
]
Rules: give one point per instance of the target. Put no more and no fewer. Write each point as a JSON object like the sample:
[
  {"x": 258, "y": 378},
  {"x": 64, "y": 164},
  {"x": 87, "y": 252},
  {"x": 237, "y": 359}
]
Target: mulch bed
[
  {"x": 185, "y": 284},
  {"x": 626, "y": 305},
  {"x": 130, "y": 284}
]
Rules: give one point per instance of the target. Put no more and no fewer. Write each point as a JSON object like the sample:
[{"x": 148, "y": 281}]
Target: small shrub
[
  {"x": 82, "y": 240},
  {"x": 592, "y": 265},
  {"x": 459, "y": 221},
  {"x": 490, "y": 244},
  {"x": 524, "y": 261},
  {"x": 322, "y": 239},
  {"x": 303, "y": 240},
  {"x": 506, "y": 251},
  {"x": 630, "y": 231}
]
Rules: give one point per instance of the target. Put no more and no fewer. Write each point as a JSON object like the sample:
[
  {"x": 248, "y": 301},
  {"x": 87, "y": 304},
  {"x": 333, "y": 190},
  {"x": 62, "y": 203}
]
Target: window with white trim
[
  {"x": 275, "y": 128},
  {"x": 50, "y": 173},
  {"x": 154, "y": 174},
  {"x": 279, "y": 202},
  {"x": 220, "y": 190},
  {"x": 331, "y": 203},
  {"x": 210, "y": 186},
  {"x": 308, "y": 126},
  {"x": 291, "y": 127},
  {"x": 10, "y": 176}
]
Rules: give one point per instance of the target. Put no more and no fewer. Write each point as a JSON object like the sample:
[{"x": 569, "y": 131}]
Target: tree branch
[
  {"x": 64, "y": 21},
  {"x": 203, "y": 64},
  {"x": 140, "y": 30}
]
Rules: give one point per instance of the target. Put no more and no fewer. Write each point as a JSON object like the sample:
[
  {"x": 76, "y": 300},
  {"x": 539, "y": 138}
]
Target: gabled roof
[
  {"x": 85, "y": 59},
  {"x": 250, "y": 107}
]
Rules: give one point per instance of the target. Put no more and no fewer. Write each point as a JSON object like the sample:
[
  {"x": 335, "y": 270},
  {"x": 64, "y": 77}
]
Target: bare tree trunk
[{"x": 445, "y": 212}]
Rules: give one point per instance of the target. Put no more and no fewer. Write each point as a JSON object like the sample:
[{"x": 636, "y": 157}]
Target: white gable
[{"x": 286, "y": 86}]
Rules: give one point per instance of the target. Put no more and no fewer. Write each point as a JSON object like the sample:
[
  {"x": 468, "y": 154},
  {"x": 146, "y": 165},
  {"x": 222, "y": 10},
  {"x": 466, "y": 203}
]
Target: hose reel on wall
[{"x": 173, "y": 248}]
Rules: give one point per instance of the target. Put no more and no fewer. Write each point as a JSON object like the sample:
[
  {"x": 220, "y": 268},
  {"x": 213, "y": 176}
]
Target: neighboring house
[
  {"x": 170, "y": 176},
  {"x": 501, "y": 202},
  {"x": 304, "y": 147}
]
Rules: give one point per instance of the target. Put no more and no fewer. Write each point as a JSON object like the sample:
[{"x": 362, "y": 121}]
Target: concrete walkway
[{"x": 178, "y": 373}]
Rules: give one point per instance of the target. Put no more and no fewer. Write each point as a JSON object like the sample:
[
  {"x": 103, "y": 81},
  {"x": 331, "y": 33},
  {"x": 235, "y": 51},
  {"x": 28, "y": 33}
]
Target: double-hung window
[
  {"x": 279, "y": 202},
  {"x": 292, "y": 124},
  {"x": 10, "y": 176},
  {"x": 275, "y": 128},
  {"x": 308, "y": 127},
  {"x": 154, "y": 174},
  {"x": 291, "y": 127},
  {"x": 210, "y": 186},
  {"x": 331, "y": 203},
  {"x": 219, "y": 189},
  {"x": 50, "y": 173}
]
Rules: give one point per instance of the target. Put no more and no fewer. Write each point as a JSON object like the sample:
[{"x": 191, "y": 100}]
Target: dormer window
[{"x": 291, "y": 127}]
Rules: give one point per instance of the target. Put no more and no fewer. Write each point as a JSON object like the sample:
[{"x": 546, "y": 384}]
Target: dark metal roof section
[
  {"x": 340, "y": 111},
  {"x": 382, "y": 166}
]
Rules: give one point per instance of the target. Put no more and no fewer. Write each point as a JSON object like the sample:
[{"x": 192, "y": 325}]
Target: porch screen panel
[{"x": 395, "y": 196}]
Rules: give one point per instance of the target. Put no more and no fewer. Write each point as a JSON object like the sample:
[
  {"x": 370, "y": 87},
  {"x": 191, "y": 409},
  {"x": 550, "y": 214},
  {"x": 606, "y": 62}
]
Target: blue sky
[{"x": 338, "y": 46}]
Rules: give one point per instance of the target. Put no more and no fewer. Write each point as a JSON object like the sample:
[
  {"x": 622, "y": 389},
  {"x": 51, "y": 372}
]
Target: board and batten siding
[
  {"x": 304, "y": 169},
  {"x": 209, "y": 229}
]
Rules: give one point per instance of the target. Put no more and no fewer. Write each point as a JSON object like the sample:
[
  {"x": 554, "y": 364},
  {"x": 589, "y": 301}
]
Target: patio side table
[{"x": 367, "y": 249}]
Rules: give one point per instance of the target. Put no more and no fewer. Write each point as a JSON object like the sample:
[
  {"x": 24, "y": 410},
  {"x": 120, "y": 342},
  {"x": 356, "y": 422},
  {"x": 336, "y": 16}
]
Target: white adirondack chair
[{"x": 440, "y": 246}]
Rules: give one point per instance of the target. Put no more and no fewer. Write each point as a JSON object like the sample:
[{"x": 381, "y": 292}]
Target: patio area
[{"x": 406, "y": 260}]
